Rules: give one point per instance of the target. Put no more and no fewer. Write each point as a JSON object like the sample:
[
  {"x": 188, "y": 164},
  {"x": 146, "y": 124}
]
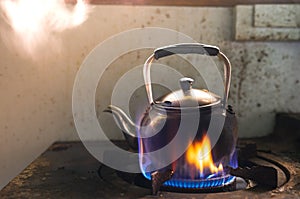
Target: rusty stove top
[{"x": 67, "y": 170}]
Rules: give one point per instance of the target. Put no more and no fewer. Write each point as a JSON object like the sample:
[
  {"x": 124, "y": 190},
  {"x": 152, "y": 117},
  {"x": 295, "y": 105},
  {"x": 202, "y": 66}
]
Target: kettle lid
[{"x": 188, "y": 97}]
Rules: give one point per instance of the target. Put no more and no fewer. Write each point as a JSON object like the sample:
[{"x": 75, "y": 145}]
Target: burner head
[
  {"x": 162, "y": 180},
  {"x": 201, "y": 184}
]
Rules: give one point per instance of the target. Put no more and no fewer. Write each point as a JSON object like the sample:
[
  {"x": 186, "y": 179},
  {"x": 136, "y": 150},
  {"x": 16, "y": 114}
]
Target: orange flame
[{"x": 199, "y": 155}]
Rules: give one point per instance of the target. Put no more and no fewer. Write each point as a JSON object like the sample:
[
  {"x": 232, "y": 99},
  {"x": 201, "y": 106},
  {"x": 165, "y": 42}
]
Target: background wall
[{"x": 36, "y": 93}]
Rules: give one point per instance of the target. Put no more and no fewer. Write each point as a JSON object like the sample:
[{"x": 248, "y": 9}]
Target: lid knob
[{"x": 186, "y": 83}]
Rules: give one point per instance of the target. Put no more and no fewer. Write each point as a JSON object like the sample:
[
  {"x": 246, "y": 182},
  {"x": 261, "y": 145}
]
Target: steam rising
[{"x": 35, "y": 24}]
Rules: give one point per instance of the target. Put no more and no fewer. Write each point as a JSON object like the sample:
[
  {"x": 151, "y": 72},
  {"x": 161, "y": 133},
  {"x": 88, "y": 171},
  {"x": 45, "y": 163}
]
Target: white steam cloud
[{"x": 33, "y": 24}]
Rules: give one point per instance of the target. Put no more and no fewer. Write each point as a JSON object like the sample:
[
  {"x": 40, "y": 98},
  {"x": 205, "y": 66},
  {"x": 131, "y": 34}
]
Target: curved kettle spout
[{"x": 125, "y": 124}]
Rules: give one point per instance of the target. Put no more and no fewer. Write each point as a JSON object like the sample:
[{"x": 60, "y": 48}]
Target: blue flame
[
  {"x": 234, "y": 160},
  {"x": 210, "y": 181},
  {"x": 200, "y": 184},
  {"x": 197, "y": 184}
]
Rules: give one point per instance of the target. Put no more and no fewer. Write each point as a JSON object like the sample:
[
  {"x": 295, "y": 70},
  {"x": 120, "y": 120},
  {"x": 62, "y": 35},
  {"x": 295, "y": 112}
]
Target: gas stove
[{"x": 269, "y": 167}]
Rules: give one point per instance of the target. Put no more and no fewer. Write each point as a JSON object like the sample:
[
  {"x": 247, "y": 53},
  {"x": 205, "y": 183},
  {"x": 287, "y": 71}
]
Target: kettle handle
[{"x": 184, "y": 48}]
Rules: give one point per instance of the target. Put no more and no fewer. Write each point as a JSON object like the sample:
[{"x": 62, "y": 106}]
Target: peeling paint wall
[{"x": 36, "y": 95}]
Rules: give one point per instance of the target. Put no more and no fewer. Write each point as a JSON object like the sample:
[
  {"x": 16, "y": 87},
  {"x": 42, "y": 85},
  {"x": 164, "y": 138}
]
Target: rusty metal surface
[{"x": 67, "y": 170}]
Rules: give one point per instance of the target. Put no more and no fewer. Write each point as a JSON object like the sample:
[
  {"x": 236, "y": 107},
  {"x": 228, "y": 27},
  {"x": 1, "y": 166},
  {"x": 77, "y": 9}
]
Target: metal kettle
[{"x": 165, "y": 116}]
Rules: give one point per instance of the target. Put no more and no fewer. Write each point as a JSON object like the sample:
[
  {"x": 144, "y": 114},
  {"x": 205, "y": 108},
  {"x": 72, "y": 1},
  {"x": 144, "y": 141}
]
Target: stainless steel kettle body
[
  {"x": 193, "y": 157},
  {"x": 192, "y": 133}
]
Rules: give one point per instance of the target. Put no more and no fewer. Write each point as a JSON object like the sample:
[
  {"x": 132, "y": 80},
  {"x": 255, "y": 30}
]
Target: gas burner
[
  {"x": 208, "y": 184},
  {"x": 257, "y": 170}
]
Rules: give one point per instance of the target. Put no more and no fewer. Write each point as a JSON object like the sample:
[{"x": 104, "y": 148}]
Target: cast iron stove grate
[{"x": 255, "y": 171}]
